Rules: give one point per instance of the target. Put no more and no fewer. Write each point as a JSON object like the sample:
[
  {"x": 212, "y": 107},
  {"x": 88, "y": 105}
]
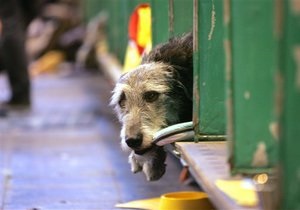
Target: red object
[{"x": 133, "y": 26}]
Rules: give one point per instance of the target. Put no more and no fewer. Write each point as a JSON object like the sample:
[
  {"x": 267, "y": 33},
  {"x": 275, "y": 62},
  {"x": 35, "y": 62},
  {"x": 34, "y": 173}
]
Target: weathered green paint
[
  {"x": 170, "y": 18},
  {"x": 253, "y": 116},
  {"x": 209, "y": 69},
  {"x": 290, "y": 127}
]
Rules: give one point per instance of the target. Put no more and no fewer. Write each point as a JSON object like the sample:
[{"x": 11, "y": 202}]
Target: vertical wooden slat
[
  {"x": 171, "y": 18},
  {"x": 183, "y": 17},
  {"x": 290, "y": 123},
  {"x": 253, "y": 76},
  {"x": 209, "y": 68},
  {"x": 160, "y": 21}
]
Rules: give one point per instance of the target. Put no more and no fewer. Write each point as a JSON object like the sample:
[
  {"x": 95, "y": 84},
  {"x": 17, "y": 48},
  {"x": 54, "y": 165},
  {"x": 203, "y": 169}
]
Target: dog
[{"x": 156, "y": 94}]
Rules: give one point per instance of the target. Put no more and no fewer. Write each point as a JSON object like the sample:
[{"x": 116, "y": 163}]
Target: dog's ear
[
  {"x": 117, "y": 92},
  {"x": 184, "y": 80}
]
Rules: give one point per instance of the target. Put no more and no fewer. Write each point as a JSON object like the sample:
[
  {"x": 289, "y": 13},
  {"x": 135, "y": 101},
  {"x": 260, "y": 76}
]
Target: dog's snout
[{"x": 134, "y": 142}]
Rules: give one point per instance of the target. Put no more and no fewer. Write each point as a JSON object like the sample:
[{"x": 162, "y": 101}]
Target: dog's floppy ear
[
  {"x": 117, "y": 91},
  {"x": 184, "y": 80}
]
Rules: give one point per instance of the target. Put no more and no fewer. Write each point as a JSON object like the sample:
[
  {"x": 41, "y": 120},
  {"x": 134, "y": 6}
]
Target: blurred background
[{"x": 59, "y": 139}]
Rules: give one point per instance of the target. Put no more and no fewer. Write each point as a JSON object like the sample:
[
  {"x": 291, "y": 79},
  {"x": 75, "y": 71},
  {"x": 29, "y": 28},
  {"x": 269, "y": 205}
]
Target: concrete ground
[{"x": 64, "y": 153}]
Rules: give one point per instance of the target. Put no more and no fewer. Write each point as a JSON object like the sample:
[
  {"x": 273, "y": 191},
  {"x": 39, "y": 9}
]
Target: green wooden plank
[
  {"x": 254, "y": 66},
  {"x": 182, "y": 18},
  {"x": 160, "y": 21},
  {"x": 209, "y": 70},
  {"x": 289, "y": 143},
  {"x": 118, "y": 27},
  {"x": 170, "y": 18}
]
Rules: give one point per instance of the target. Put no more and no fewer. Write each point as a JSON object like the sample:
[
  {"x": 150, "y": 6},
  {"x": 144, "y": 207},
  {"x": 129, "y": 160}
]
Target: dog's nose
[{"x": 134, "y": 142}]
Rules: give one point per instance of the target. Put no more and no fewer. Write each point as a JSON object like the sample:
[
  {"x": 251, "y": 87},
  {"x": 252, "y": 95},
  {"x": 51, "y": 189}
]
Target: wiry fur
[{"x": 156, "y": 94}]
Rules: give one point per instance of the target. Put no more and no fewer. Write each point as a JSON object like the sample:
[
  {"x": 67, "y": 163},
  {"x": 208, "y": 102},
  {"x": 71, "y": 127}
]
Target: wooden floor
[
  {"x": 64, "y": 153},
  {"x": 208, "y": 162}
]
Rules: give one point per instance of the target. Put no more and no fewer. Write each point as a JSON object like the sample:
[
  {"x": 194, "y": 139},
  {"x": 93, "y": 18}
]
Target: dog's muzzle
[
  {"x": 136, "y": 143},
  {"x": 133, "y": 143}
]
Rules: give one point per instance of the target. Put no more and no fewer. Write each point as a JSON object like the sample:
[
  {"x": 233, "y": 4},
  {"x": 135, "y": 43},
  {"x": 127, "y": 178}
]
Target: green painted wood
[
  {"x": 209, "y": 70},
  {"x": 182, "y": 18},
  {"x": 170, "y": 18},
  {"x": 160, "y": 21},
  {"x": 118, "y": 27},
  {"x": 254, "y": 67},
  {"x": 289, "y": 143}
]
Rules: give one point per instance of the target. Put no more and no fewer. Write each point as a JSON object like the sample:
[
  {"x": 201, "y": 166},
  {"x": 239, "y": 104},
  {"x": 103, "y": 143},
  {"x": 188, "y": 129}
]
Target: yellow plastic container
[{"x": 185, "y": 201}]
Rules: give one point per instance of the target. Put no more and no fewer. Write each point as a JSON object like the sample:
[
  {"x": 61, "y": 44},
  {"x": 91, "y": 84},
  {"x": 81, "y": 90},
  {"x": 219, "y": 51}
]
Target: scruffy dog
[{"x": 156, "y": 94}]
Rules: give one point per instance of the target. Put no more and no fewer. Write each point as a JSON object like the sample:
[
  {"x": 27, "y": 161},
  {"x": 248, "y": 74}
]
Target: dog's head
[
  {"x": 146, "y": 100},
  {"x": 153, "y": 96}
]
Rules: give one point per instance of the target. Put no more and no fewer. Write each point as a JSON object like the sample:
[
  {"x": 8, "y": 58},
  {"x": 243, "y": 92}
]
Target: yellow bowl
[{"x": 186, "y": 200}]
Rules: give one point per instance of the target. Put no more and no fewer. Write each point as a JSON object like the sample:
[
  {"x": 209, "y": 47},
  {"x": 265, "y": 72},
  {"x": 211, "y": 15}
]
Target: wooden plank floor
[
  {"x": 64, "y": 153},
  {"x": 208, "y": 163}
]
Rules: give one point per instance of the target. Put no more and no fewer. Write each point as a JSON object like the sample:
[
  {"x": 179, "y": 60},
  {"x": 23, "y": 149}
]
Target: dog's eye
[
  {"x": 151, "y": 96},
  {"x": 122, "y": 100}
]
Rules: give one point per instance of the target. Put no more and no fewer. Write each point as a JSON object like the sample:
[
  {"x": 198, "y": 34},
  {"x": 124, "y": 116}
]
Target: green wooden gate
[
  {"x": 290, "y": 123},
  {"x": 246, "y": 76},
  {"x": 209, "y": 70},
  {"x": 171, "y": 18},
  {"x": 252, "y": 115}
]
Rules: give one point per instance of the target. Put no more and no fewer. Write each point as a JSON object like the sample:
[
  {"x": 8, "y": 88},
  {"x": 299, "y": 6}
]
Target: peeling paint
[
  {"x": 228, "y": 60},
  {"x": 295, "y": 6},
  {"x": 278, "y": 93},
  {"x": 278, "y": 18},
  {"x": 195, "y": 26},
  {"x": 297, "y": 62},
  {"x": 247, "y": 95},
  {"x": 229, "y": 100},
  {"x": 229, "y": 106},
  {"x": 260, "y": 157},
  {"x": 171, "y": 16},
  {"x": 213, "y": 21},
  {"x": 274, "y": 130},
  {"x": 226, "y": 12},
  {"x": 196, "y": 101}
]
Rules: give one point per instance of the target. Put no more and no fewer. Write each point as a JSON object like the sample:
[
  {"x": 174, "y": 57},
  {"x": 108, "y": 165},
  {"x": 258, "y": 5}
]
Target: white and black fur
[{"x": 156, "y": 94}]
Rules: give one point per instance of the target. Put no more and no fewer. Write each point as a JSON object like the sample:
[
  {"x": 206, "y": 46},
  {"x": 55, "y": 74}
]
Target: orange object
[{"x": 48, "y": 63}]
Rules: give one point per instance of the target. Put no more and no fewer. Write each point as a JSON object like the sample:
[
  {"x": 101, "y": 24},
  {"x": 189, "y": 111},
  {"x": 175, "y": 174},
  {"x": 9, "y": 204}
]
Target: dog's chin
[
  {"x": 151, "y": 161},
  {"x": 143, "y": 151}
]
